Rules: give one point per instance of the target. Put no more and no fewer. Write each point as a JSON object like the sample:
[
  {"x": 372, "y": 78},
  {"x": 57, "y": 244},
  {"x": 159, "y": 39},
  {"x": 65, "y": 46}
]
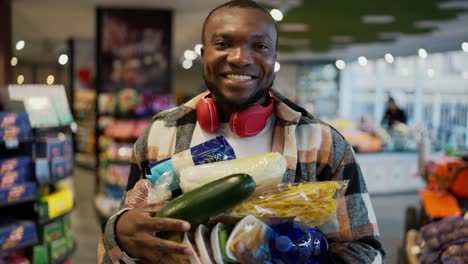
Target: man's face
[{"x": 239, "y": 55}]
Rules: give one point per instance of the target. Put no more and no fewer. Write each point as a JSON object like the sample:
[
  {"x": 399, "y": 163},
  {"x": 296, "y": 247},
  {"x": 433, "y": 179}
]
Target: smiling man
[{"x": 239, "y": 52}]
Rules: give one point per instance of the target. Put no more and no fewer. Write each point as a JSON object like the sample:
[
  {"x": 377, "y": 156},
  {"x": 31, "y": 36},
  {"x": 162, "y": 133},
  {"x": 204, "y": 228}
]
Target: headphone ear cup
[
  {"x": 252, "y": 120},
  {"x": 207, "y": 114}
]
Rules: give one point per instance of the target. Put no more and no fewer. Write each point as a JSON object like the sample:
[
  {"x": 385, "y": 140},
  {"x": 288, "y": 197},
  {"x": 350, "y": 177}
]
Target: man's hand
[{"x": 135, "y": 231}]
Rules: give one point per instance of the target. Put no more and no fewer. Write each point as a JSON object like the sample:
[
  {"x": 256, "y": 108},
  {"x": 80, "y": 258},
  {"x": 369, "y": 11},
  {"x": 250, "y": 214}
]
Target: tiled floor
[{"x": 389, "y": 209}]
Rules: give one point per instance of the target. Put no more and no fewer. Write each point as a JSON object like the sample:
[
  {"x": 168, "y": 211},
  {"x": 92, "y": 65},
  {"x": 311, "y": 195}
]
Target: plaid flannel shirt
[{"x": 314, "y": 151}]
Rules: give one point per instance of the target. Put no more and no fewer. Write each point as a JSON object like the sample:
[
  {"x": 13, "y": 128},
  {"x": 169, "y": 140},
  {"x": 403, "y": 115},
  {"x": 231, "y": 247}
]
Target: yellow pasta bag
[{"x": 310, "y": 203}]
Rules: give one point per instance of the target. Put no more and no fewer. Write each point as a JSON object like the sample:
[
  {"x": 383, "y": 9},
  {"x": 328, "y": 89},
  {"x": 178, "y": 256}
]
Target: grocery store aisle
[
  {"x": 390, "y": 210},
  {"x": 84, "y": 220}
]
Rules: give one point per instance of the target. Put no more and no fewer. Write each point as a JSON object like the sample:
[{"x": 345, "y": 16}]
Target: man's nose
[{"x": 240, "y": 56}]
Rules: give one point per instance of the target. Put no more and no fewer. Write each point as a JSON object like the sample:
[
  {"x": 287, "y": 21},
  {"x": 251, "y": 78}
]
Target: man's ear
[{"x": 202, "y": 51}]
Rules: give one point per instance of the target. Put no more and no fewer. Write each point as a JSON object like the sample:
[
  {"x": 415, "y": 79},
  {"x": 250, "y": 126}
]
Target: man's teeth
[{"x": 236, "y": 77}]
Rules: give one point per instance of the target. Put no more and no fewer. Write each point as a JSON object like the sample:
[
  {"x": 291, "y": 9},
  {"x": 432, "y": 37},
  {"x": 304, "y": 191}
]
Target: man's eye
[
  {"x": 262, "y": 46},
  {"x": 220, "y": 44}
]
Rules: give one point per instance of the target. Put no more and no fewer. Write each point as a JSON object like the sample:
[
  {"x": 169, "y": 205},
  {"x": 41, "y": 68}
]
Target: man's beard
[{"x": 234, "y": 106}]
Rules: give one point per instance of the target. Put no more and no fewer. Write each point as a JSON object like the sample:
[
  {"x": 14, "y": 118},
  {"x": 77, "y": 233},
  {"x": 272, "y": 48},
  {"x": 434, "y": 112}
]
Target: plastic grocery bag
[
  {"x": 312, "y": 204},
  {"x": 146, "y": 194}
]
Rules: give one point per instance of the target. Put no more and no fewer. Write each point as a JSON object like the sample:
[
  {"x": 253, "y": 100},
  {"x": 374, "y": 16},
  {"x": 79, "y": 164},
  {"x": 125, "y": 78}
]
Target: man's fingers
[
  {"x": 158, "y": 224},
  {"x": 171, "y": 247}
]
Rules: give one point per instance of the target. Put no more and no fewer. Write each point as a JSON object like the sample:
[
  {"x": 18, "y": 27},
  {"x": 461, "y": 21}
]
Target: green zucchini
[{"x": 198, "y": 205}]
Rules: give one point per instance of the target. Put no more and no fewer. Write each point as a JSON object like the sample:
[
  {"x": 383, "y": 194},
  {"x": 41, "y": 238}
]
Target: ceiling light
[
  {"x": 389, "y": 58},
  {"x": 20, "y": 79},
  {"x": 187, "y": 64},
  {"x": 198, "y": 48},
  {"x": 422, "y": 53},
  {"x": 277, "y": 66},
  {"x": 465, "y": 47},
  {"x": 63, "y": 59},
  {"x": 389, "y": 35},
  {"x": 301, "y": 42},
  {"x": 340, "y": 64},
  {"x": 50, "y": 79},
  {"x": 190, "y": 55},
  {"x": 341, "y": 39},
  {"x": 276, "y": 14},
  {"x": 20, "y": 45},
  {"x": 377, "y": 19},
  {"x": 362, "y": 61},
  {"x": 14, "y": 61},
  {"x": 294, "y": 27},
  {"x": 426, "y": 24},
  {"x": 430, "y": 73}
]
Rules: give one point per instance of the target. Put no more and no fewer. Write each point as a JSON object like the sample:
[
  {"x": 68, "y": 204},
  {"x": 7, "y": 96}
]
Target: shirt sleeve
[{"x": 356, "y": 239}]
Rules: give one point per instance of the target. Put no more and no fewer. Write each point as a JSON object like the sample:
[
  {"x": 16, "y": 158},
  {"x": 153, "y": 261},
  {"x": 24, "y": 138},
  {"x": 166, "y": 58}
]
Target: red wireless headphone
[{"x": 246, "y": 123}]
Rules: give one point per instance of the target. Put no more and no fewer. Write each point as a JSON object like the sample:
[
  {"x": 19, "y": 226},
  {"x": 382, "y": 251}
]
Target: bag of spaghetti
[{"x": 309, "y": 203}]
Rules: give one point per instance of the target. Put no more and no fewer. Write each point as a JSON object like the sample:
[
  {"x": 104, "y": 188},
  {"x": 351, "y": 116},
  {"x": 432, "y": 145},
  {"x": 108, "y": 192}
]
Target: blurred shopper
[
  {"x": 393, "y": 115},
  {"x": 239, "y": 53}
]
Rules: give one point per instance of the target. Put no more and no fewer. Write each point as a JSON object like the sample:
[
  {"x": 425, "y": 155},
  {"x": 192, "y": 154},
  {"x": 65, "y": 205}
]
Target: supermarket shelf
[
  {"x": 66, "y": 256},
  {"x": 21, "y": 245},
  {"x": 44, "y": 221},
  {"x": 47, "y": 130},
  {"x": 53, "y": 181},
  {"x": 23, "y": 200}
]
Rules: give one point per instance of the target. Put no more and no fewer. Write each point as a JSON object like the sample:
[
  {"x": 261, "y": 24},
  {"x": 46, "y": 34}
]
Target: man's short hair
[{"x": 241, "y": 4}]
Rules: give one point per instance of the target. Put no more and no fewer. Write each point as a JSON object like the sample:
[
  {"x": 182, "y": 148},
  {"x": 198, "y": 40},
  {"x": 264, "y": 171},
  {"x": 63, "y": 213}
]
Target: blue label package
[
  {"x": 20, "y": 131},
  {"x": 15, "y": 177},
  {"x": 59, "y": 168},
  {"x": 15, "y": 233},
  {"x": 13, "y": 164},
  {"x": 50, "y": 148},
  {"x": 18, "y": 192}
]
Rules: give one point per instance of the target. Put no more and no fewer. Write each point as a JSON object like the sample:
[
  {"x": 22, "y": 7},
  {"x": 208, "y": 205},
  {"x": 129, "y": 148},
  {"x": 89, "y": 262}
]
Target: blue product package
[
  {"x": 12, "y": 164},
  {"x": 213, "y": 150},
  {"x": 15, "y": 233},
  {"x": 18, "y": 176}
]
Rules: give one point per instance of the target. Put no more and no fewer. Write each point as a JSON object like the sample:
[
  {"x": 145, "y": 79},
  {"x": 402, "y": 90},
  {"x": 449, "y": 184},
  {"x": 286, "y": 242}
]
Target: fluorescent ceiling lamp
[
  {"x": 20, "y": 45},
  {"x": 465, "y": 47},
  {"x": 276, "y": 14},
  {"x": 389, "y": 35},
  {"x": 294, "y": 41},
  {"x": 293, "y": 27},
  {"x": 20, "y": 79},
  {"x": 389, "y": 58},
  {"x": 187, "y": 64},
  {"x": 341, "y": 39},
  {"x": 340, "y": 64},
  {"x": 422, "y": 53},
  {"x": 50, "y": 79},
  {"x": 362, "y": 61},
  {"x": 63, "y": 59},
  {"x": 14, "y": 61},
  {"x": 377, "y": 19},
  {"x": 190, "y": 55},
  {"x": 277, "y": 66}
]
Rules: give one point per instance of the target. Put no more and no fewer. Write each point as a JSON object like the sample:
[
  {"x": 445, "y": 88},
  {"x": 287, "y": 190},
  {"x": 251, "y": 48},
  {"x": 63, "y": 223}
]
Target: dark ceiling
[{"x": 334, "y": 24}]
